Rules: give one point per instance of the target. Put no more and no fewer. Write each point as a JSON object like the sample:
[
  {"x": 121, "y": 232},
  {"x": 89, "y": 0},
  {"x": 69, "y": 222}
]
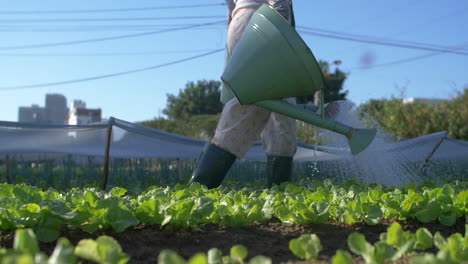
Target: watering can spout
[{"x": 360, "y": 139}]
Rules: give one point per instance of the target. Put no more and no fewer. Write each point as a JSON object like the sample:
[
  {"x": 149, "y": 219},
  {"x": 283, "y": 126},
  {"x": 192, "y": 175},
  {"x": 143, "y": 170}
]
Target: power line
[
  {"x": 67, "y": 20},
  {"x": 340, "y": 33},
  {"x": 433, "y": 20},
  {"x": 87, "y": 28},
  {"x": 99, "y": 54},
  {"x": 111, "y": 75},
  {"x": 368, "y": 40},
  {"x": 67, "y": 43},
  {"x": 401, "y": 61},
  {"x": 47, "y": 12}
]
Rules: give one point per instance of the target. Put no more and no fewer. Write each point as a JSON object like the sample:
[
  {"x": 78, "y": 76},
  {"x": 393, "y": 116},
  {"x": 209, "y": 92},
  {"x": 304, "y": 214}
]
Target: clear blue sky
[{"x": 142, "y": 96}]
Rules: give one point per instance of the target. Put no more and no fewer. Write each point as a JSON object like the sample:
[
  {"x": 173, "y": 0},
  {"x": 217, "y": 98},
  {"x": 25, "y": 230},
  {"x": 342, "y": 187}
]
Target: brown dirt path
[{"x": 270, "y": 239}]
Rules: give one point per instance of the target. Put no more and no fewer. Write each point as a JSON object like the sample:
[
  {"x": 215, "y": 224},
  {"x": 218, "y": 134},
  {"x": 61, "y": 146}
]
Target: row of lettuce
[
  {"x": 48, "y": 212},
  {"x": 393, "y": 245}
]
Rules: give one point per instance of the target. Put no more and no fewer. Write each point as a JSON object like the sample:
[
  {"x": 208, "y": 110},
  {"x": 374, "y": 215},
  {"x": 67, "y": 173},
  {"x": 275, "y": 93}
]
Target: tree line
[{"x": 195, "y": 111}]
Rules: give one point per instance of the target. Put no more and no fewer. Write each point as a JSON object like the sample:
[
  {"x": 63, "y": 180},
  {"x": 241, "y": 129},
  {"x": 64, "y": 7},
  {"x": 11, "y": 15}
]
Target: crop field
[{"x": 302, "y": 222}]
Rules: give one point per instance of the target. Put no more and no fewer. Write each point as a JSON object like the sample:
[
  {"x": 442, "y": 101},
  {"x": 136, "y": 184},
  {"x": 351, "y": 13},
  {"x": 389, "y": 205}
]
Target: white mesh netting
[{"x": 383, "y": 162}]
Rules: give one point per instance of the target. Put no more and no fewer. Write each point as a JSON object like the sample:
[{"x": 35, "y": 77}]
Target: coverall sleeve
[
  {"x": 282, "y": 6},
  {"x": 230, "y": 5}
]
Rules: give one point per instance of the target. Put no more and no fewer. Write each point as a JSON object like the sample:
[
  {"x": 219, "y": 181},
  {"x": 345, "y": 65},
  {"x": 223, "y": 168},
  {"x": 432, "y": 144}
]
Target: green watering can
[{"x": 272, "y": 62}]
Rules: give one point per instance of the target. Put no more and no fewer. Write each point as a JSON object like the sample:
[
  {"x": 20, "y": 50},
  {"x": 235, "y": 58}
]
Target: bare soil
[{"x": 144, "y": 243}]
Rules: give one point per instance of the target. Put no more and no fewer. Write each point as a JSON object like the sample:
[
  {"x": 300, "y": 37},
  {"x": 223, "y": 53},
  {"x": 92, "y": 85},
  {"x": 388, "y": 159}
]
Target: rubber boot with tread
[
  {"x": 212, "y": 167},
  {"x": 279, "y": 169}
]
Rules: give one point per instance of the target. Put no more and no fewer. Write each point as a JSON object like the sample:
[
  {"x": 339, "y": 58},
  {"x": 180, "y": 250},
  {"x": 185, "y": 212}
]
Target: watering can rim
[{"x": 294, "y": 40}]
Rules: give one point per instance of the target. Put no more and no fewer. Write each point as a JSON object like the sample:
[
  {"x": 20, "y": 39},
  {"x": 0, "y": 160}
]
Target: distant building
[
  {"x": 33, "y": 114},
  {"x": 54, "y": 112},
  {"x": 56, "y": 109},
  {"x": 80, "y": 115},
  {"x": 431, "y": 101}
]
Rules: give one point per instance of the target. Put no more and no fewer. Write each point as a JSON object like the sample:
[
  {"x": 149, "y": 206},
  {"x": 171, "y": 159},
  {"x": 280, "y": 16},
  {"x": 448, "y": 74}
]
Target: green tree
[
  {"x": 199, "y": 98},
  {"x": 197, "y": 126},
  {"x": 410, "y": 120},
  {"x": 333, "y": 84}
]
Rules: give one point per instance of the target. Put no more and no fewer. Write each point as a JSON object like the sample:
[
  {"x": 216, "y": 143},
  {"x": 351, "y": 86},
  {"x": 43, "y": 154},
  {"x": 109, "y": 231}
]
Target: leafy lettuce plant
[
  {"x": 238, "y": 255},
  {"x": 104, "y": 250},
  {"x": 306, "y": 246}
]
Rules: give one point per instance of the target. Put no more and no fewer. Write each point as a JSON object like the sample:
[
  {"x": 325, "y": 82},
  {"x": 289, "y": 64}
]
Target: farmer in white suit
[{"x": 240, "y": 125}]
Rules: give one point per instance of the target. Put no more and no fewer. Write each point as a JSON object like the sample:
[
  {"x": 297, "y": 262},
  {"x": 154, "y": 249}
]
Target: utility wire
[
  {"x": 88, "y": 28},
  {"x": 98, "y": 54},
  {"x": 433, "y": 20},
  {"x": 381, "y": 42},
  {"x": 67, "y": 43},
  {"x": 340, "y": 33},
  {"x": 113, "y": 19},
  {"x": 47, "y": 12},
  {"x": 111, "y": 75},
  {"x": 401, "y": 61}
]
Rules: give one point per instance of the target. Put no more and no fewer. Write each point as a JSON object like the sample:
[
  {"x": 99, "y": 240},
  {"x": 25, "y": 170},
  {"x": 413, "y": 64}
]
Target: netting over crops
[{"x": 59, "y": 154}]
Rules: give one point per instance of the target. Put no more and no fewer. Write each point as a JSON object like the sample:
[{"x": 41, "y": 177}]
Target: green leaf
[
  {"x": 27, "y": 194},
  {"x": 430, "y": 213},
  {"x": 25, "y": 242},
  {"x": 342, "y": 257},
  {"x": 41, "y": 258},
  {"x": 105, "y": 250},
  {"x": 403, "y": 249},
  {"x": 445, "y": 257},
  {"x": 29, "y": 209},
  {"x": 395, "y": 235},
  {"x": 170, "y": 257},
  {"x": 120, "y": 218},
  {"x": 97, "y": 220},
  {"x": 91, "y": 198},
  {"x": 424, "y": 239},
  {"x": 292, "y": 188},
  {"x": 426, "y": 259},
  {"x": 283, "y": 214},
  {"x": 202, "y": 209},
  {"x": 260, "y": 260},
  {"x": 149, "y": 212},
  {"x": 199, "y": 258},
  {"x": 215, "y": 256},
  {"x": 439, "y": 241},
  {"x": 383, "y": 252},
  {"x": 458, "y": 251},
  {"x": 63, "y": 253},
  {"x": 49, "y": 226},
  {"x": 448, "y": 220},
  {"x": 461, "y": 201},
  {"x": 87, "y": 249},
  {"x": 374, "y": 213},
  {"x": 56, "y": 207},
  {"x": 18, "y": 259},
  {"x": 110, "y": 251},
  {"x": 118, "y": 192},
  {"x": 180, "y": 212},
  {"x": 239, "y": 251},
  {"x": 307, "y": 246},
  {"x": 358, "y": 244},
  {"x": 375, "y": 196},
  {"x": 412, "y": 200}
]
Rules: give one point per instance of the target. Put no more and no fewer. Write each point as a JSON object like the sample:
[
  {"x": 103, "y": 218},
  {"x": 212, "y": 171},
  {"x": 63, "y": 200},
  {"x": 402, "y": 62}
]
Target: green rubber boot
[
  {"x": 279, "y": 169},
  {"x": 212, "y": 166}
]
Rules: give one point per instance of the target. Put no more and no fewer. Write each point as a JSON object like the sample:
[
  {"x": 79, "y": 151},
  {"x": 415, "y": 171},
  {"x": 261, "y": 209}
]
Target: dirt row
[{"x": 143, "y": 243}]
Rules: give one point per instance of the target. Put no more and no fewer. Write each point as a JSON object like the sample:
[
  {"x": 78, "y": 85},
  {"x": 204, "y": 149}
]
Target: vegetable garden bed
[
  {"x": 265, "y": 221},
  {"x": 144, "y": 243}
]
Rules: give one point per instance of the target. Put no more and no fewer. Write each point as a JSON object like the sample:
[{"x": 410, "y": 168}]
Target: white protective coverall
[{"x": 240, "y": 125}]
